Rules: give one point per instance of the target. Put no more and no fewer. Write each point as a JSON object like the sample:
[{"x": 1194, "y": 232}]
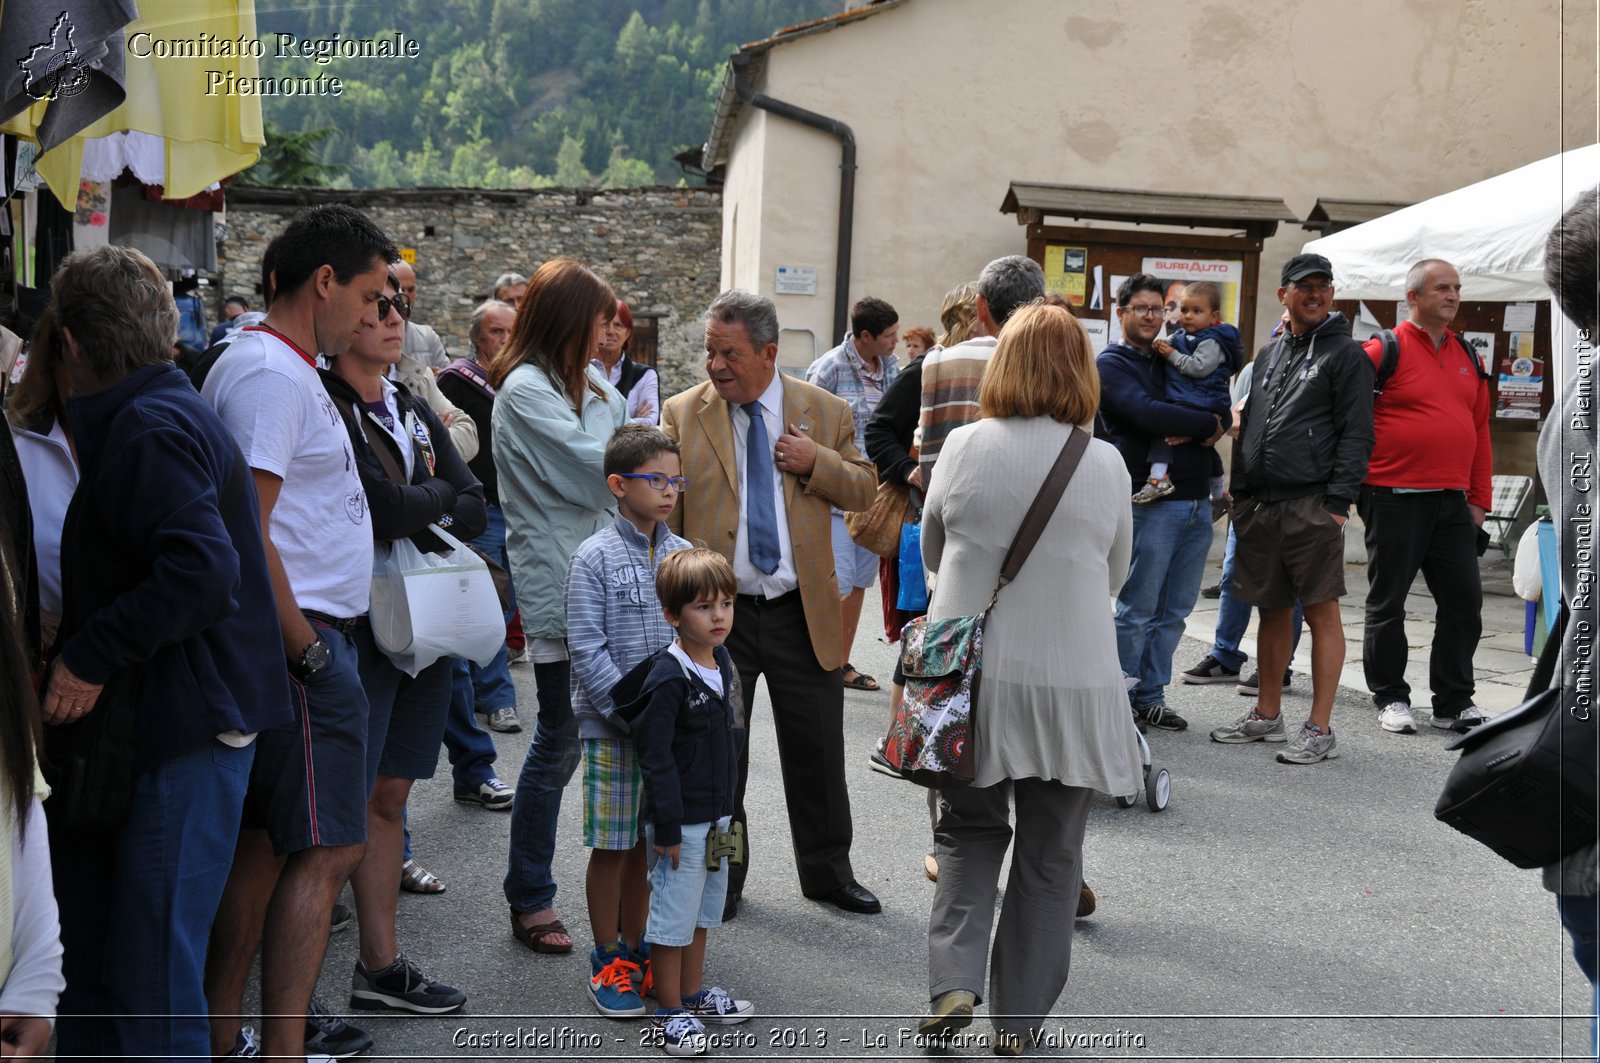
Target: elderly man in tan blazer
[{"x": 770, "y": 517}]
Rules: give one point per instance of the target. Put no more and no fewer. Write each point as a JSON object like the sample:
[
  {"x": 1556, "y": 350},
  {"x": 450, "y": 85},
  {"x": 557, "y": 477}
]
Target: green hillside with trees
[{"x": 509, "y": 93}]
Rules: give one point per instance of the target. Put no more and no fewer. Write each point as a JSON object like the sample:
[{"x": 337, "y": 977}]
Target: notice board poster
[
  {"x": 1521, "y": 380},
  {"x": 1066, "y": 271},
  {"x": 1176, "y": 274}
]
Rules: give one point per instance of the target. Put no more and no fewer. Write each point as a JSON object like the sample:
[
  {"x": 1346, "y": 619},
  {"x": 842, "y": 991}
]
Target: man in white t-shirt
[{"x": 306, "y": 811}]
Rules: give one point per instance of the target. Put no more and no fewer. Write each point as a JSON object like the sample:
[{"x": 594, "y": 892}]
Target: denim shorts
[
  {"x": 611, "y": 788},
  {"x": 854, "y": 566},
  {"x": 685, "y": 898},
  {"x": 405, "y": 722},
  {"x": 308, "y": 786}
]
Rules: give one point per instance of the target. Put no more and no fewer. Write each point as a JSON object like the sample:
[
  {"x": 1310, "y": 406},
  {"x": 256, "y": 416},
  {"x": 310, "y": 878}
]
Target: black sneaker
[
  {"x": 1210, "y": 670},
  {"x": 402, "y": 986},
  {"x": 1251, "y": 687},
  {"x": 1214, "y": 591},
  {"x": 879, "y": 763},
  {"x": 329, "y": 1035},
  {"x": 341, "y": 918},
  {"x": 1160, "y": 717}
]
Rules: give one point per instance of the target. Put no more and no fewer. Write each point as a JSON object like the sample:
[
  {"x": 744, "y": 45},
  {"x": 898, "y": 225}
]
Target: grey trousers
[{"x": 1033, "y": 948}]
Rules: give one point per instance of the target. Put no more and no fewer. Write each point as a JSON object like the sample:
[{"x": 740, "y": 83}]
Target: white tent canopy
[{"x": 1493, "y": 232}]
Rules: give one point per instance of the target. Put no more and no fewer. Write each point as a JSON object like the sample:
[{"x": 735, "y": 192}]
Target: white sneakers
[{"x": 1396, "y": 717}]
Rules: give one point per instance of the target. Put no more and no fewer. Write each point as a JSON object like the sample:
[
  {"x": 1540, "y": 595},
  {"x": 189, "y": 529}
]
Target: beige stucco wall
[{"x": 950, "y": 100}]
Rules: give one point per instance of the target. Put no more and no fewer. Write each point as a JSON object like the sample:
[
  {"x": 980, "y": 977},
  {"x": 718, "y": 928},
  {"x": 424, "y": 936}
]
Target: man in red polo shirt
[{"x": 1424, "y": 500}]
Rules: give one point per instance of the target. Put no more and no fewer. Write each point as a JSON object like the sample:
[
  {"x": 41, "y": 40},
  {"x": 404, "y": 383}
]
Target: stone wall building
[{"x": 660, "y": 248}]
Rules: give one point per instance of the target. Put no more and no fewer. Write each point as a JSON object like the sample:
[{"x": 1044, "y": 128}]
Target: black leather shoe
[
  {"x": 852, "y": 897},
  {"x": 730, "y": 907}
]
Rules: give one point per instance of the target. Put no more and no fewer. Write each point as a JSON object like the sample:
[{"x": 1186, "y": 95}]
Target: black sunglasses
[{"x": 401, "y": 304}]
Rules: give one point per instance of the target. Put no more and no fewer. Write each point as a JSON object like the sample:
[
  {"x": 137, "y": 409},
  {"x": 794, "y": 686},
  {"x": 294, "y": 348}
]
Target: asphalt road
[{"x": 1271, "y": 912}]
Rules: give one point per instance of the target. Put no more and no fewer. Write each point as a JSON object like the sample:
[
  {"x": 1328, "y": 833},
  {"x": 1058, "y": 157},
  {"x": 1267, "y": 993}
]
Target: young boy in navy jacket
[
  {"x": 679, "y": 704},
  {"x": 1206, "y": 352}
]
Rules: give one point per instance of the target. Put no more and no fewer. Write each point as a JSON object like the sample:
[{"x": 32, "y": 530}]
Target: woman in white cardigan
[{"x": 1053, "y": 722}]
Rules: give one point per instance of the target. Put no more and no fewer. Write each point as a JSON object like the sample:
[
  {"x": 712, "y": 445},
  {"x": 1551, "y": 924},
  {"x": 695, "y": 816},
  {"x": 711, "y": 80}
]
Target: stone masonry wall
[{"x": 660, "y": 249}]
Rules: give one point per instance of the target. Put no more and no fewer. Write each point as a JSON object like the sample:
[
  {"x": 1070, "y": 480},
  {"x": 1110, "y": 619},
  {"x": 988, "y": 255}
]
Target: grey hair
[
  {"x": 755, "y": 312},
  {"x": 118, "y": 307},
  {"x": 1418, "y": 273},
  {"x": 507, "y": 280},
  {"x": 1571, "y": 255},
  {"x": 1010, "y": 282},
  {"x": 481, "y": 311}
]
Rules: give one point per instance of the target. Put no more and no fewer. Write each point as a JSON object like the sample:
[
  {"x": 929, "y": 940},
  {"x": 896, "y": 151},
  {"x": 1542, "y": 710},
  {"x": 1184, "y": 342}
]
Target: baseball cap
[{"x": 1301, "y": 266}]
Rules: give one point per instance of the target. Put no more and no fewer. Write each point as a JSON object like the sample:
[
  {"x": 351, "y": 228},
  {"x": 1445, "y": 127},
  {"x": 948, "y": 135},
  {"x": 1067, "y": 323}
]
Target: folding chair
[{"x": 1510, "y": 494}]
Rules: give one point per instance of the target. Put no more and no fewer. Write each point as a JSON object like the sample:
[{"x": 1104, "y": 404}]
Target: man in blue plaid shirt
[{"x": 858, "y": 371}]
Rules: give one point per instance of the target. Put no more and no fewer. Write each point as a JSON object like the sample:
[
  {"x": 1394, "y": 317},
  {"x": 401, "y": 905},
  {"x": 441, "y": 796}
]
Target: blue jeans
[
  {"x": 1581, "y": 916},
  {"x": 1170, "y": 543},
  {"x": 138, "y": 905},
  {"x": 1233, "y": 616},
  {"x": 552, "y": 758}
]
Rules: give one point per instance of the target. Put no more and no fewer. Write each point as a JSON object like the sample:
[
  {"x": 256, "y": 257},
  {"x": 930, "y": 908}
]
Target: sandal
[
  {"x": 930, "y": 867},
  {"x": 414, "y": 878},
  {"x": 862, "y": 680},
  {"x": 538, "y": 937}
]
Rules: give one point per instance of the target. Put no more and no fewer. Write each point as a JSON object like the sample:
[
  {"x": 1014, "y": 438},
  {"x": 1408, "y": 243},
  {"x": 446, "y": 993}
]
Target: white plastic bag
[{"x": 426, "y": 606}]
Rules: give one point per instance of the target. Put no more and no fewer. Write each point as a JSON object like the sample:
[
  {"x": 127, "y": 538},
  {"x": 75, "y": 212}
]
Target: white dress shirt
[{"x": 751, "y": 579}]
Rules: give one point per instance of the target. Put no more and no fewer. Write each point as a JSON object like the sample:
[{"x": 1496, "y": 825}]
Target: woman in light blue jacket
[{"x": 553, "y": 414}]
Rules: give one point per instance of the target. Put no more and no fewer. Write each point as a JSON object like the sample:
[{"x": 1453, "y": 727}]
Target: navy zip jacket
[
  {"x": 1134, "y": 411},
  {"x": 688, "y": 740},
  {"x": 449, "y": 495},
  {"x": 164, "y": 575}
]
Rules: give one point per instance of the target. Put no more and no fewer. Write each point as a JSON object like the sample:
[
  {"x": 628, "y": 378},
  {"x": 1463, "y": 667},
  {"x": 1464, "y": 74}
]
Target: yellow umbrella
[{"x": 207, "y": 133}]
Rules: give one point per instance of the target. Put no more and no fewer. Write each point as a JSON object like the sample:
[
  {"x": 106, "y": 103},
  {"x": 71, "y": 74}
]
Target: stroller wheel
[
  {"x": 1158, "y": 789},
  {"x": 1127, "y": 802}
]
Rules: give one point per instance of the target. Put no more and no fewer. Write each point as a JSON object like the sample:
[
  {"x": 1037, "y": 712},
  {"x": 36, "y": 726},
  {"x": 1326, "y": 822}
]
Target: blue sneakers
[{"x": 611, "y": 982}]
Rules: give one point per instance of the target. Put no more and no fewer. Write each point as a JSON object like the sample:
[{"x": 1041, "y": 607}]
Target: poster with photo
[
  {"x": 1176, "y": 274},
  {"x": 1481, "y": 343},
  {"x": 1066, "y": 272},
  {"x": 1520, "y": 390}
]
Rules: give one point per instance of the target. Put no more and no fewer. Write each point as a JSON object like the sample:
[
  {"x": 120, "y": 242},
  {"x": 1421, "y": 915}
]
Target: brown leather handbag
[{"x": 878, "y": 527}]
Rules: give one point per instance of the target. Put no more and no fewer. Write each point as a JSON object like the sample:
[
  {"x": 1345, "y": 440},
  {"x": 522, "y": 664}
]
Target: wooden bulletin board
[
  {"x": 1522, "y": 369},
  {"x": 1070, "y": 255}
]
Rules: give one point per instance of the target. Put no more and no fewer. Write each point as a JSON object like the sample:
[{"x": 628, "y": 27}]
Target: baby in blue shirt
[{"x": 1206, "y": 352}]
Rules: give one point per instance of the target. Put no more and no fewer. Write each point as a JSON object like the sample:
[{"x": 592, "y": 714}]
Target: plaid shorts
[{"x": 611, "y": 788}]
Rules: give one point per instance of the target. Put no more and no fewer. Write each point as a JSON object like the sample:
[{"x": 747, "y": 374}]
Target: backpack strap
[
  {"x": 470, "y": 371},
  {"x": 1391, "y": 358}
]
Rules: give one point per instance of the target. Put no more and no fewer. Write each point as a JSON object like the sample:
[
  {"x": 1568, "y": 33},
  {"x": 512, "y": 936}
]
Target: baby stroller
[{"x": 1157, "y": 783}]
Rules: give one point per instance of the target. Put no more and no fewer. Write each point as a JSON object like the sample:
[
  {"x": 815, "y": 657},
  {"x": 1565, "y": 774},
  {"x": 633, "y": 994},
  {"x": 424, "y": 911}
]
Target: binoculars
[{"x": 724, "y": 843}]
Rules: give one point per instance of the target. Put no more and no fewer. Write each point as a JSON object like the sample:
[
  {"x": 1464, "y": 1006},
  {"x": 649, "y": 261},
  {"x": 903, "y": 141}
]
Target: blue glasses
[{"x": 659, "y": 481}]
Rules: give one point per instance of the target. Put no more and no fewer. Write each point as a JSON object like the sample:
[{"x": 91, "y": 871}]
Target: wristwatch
[{"x": 313, "y": 659}]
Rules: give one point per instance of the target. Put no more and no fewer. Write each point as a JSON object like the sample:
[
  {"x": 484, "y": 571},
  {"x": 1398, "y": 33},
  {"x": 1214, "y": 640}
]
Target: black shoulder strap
[
  {"x": 1391, "y": 358},
  {"x": 391, "y": 468},
  {"x": 1044, "y": 505},
  {"x": 632, "y": 373},
  {"x": 1472, "y": 356}
]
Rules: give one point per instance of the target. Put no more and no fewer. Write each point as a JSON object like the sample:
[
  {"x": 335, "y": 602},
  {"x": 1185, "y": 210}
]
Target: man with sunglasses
[
  {"x": 1172, "y": 537},
  {"x": 1304, "y": 438}
]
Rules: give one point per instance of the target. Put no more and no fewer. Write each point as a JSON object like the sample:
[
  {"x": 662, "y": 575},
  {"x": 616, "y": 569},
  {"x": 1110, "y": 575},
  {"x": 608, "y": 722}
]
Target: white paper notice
[
  {"x": 1099, "y": 333},
  {"x": 1116, "y": 322},
  {"x": 1402, "y": 310},
  {"x": 1519, "y": 317},
  {"x": 1483, "y": 344},
  {"x": 1096, "y": 299}
]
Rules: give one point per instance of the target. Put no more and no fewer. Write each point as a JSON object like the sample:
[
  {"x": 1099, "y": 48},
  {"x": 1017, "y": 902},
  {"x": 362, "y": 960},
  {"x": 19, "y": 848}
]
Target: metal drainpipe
[{"x": 847, "y": 181}]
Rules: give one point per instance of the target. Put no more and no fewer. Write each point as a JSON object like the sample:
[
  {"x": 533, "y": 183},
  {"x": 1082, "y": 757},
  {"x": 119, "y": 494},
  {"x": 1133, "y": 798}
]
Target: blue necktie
[{"x": 761, "y": 515}]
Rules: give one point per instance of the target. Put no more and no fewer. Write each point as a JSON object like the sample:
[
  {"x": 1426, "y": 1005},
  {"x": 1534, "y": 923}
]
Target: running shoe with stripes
[{"x": 402, "y": 986}]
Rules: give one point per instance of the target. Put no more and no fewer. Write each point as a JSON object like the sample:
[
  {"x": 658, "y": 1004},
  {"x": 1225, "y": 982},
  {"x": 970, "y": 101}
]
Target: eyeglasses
[
  {"x": 1317, "y": 287},
  {"x": 401, "y": 304},
  {"x": 1145, "y": 311},
  {"x": 659, "y": 481}
]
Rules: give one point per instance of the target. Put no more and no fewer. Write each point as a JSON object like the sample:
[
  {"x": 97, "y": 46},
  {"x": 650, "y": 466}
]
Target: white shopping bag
[{"x": 426, "y": 606}]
